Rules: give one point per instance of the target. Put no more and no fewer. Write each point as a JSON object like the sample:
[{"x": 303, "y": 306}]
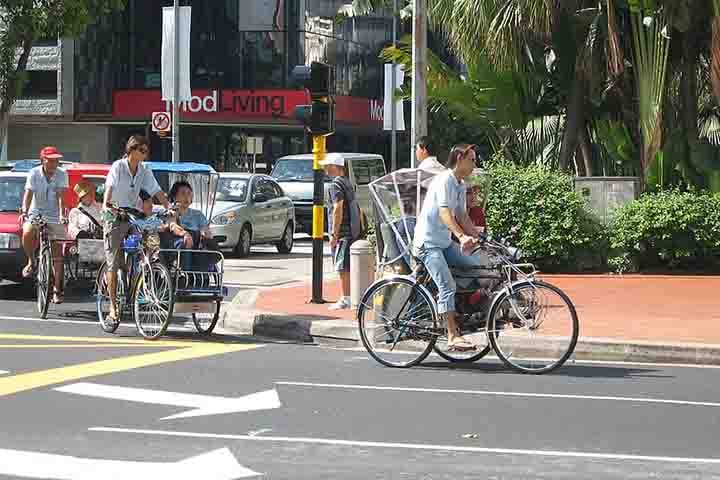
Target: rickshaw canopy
[{"x": 202, "y": 177}]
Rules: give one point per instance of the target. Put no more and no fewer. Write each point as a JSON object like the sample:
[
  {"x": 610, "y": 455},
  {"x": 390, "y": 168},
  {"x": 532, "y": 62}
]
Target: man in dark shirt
[{"x": 343, "y": 222}]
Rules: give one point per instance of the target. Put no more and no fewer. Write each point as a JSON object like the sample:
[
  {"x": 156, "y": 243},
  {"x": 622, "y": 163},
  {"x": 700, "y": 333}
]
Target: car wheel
[
  {"x": 242, "y": 249},
  {"x": 286, "y": 242}
]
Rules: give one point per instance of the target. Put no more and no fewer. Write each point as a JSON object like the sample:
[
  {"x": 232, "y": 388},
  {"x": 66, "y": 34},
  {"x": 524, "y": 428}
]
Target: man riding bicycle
[
  {"x": 444, "y": 212},
  {"x": 126, "y": 178},
  {"x": 44, "y": 196}
]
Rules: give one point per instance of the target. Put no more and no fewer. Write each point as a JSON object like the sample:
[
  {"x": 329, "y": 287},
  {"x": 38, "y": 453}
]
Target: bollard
[{"x": 362, "y": 269}]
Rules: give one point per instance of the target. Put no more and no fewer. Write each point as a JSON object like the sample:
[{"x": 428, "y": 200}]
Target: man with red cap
[{"x": 44, "y": 192}]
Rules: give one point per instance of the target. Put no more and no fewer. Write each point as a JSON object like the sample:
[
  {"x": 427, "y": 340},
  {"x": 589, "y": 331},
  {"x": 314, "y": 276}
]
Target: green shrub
[
  {"x": 536, "y": 209},
  {"x": 667, "y": 230}
]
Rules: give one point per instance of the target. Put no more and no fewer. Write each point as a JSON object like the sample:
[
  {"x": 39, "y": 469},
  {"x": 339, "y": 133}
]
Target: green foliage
[
  {"x": 24, "y": 22},
  {"x": 536, "y": 209},
  {"x": 668, "y": 230}
]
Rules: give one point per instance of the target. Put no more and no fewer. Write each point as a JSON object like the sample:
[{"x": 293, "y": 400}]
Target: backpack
[{"x": 358, "y": 219}]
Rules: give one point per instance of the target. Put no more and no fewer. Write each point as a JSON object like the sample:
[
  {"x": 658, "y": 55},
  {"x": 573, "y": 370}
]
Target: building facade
[{"x": 242, "y": 53}]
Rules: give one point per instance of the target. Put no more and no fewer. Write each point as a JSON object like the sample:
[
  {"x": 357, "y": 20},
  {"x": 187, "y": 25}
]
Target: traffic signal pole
[{"x": 318, "y": 212}]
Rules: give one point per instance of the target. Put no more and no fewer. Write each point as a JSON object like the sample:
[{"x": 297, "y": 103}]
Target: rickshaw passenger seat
[{"x": 394, "y": 245}]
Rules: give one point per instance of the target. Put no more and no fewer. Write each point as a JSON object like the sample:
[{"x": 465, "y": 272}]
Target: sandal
[
  {"x": 461, "y": 345},
  {"x": 58, "y": 297},
  {"x": 28, "y": 271}
]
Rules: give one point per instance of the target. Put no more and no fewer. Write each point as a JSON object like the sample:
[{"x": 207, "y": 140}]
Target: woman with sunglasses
[
  {"x": 127, "y": 177},
  {"x": 444, "y": 213}
]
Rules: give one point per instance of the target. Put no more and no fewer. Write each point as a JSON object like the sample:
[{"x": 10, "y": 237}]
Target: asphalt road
[{"x": 340, "y": 415}]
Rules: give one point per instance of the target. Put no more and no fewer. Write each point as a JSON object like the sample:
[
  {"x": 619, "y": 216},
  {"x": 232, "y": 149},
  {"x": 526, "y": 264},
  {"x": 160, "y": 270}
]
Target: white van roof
[{"x": 347, "y": 156}]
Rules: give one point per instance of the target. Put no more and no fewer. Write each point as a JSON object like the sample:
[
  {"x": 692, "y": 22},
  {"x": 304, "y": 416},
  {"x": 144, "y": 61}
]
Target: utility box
[{"x": 604, "y": 195}]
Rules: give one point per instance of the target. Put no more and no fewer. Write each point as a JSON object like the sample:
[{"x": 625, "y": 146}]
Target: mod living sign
[{"x": 241, "y": 105}]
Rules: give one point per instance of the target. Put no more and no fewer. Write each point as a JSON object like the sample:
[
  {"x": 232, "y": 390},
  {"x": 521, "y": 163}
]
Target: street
[{"x": 77, "y": 403}]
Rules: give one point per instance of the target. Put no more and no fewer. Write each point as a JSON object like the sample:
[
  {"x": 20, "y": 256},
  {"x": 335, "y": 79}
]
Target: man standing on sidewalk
[{"x": 343, "y": 222}]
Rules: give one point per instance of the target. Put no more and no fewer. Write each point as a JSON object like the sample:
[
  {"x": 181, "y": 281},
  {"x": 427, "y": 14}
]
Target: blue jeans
[{"x": 438, "y": 261}]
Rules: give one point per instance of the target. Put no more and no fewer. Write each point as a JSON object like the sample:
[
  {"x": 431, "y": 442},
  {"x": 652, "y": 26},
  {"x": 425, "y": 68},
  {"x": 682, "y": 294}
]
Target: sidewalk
[{"x": 631, "y": 317}]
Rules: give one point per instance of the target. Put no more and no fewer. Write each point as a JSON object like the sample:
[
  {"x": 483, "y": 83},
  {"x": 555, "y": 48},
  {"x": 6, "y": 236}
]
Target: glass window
[
  {"x": 231, "y": 190},
  {"x": 278, "y": 191},
  {"x": 41, "y": 84},
  {"x": 367, "y": 170},
  {"x": 293, "y": 169},
  {"x": 11, "y": 193},
  {"x": 267, "y": 188}
]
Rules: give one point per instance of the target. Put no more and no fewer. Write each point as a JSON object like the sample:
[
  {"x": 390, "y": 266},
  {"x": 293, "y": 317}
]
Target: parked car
[
  {"x": 294, "y": 173},
  {"x": 12, "y": 189},
  {"x": 252, "y": 209}
]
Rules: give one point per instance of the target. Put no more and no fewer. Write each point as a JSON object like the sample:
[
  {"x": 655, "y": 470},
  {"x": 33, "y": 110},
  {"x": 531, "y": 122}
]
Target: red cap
[{"x": 50, "y": 152}]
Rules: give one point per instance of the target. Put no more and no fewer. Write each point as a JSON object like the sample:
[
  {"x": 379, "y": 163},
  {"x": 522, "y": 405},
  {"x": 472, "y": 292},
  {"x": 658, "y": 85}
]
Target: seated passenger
[
  {"x": 195, "y": 226},
  {"x": 84, "y": 220}
]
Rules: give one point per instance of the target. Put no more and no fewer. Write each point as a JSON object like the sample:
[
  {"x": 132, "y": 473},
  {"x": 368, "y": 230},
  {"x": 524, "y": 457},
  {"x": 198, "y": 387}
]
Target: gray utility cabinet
[{"x": 603, "y": 195}]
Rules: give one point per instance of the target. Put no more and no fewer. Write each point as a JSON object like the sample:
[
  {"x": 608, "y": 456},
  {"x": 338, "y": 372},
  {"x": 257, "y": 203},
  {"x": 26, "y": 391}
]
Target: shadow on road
[{"x": 569, "y": 370}]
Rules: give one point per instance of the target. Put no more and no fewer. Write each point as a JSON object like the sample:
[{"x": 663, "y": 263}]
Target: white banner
[
  {"x": 168, "y": 54},
  {"x": 389, "y": 93}
]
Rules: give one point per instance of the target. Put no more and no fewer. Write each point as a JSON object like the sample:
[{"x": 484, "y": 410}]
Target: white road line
[
  {"x": 54, "y": 320},
  {"x": 504, "y": 394},
  {"x": 4, "y": 372},
  {"x": 413, "y": 446}
]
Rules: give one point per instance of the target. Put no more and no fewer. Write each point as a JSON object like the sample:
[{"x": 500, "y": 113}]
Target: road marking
[
  {"x": 504, "y": 394},
  {"x": 412, "y": 446},
  {"x": 201, "y": 404},
  {"x": 125, "y": 341},
  {"x": 44, "y": 378},
  {"x": 4, "y": 372},
  {"x": 53, "y": 320},
  {"x": 217, "y": 465},
  {"x": 73, "y": 345}
]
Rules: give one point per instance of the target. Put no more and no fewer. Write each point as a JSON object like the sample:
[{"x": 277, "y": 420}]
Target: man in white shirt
[
  {"x": 425, "y": 155},
  {"x": 44, "y": 196}
]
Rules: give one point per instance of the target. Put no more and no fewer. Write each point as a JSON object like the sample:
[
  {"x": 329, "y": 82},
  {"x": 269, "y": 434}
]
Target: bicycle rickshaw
[
  {"x": 504, "y": 306},
  {"x": 160, "y": 283}
]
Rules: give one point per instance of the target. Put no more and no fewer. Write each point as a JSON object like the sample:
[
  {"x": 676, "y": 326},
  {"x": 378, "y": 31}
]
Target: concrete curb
[{"x": 303, "y": 328}]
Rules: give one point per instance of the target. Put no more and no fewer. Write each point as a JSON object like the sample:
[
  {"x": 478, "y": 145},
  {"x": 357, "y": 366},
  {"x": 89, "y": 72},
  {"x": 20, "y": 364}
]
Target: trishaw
[
  {"x": 503, "y": 306},
  {"x": 158, "y": 283}
]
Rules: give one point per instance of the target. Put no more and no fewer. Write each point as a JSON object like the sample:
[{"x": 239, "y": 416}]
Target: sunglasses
[{"x": 143, "y": 150}]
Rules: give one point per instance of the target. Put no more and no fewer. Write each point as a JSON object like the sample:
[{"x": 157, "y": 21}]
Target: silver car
[{"x": 252, "y": 209}]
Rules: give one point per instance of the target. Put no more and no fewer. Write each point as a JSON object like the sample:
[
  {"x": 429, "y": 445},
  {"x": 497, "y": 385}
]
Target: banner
[
  {"x": 389, "y": 94},
  {"x": 168, "y": 54}
]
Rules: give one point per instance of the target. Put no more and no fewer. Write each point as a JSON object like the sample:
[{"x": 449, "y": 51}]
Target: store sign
[{"x": 241, "y": 105}]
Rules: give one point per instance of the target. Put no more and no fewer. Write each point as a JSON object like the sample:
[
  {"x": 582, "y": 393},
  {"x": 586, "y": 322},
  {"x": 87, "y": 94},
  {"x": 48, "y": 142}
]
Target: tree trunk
[
  {"x": 574, "y": 121},
  {"x": 689, "y": 90},
  {"x": 586, "y": 150}
]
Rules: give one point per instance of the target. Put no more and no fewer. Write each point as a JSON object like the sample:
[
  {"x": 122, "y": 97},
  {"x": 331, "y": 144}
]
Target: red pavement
[{"x": 667, "y": 309}]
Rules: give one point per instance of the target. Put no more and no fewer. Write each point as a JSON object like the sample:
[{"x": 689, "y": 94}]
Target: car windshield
[
  {"x": 231, "y": 190},
  {"x": 11, "y": 193},
  {"x": 289, "y": 170}
]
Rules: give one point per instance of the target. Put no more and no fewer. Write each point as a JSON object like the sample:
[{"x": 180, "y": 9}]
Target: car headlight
[
  {"x": 9, "y": 241},
  {"x": 227, "y": 218}
]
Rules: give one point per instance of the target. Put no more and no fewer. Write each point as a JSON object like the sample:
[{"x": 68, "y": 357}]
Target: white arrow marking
[
  {"x": 216, "y": 465},
  {"x": 201, "y": 404}
]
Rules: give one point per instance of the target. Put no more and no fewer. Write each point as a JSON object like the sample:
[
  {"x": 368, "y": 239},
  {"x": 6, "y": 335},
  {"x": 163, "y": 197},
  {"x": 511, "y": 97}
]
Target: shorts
[
  {"x": 115, "y": 233},
  {"x": 56, "y": 231},
  {"x": 341, "y": 255}
]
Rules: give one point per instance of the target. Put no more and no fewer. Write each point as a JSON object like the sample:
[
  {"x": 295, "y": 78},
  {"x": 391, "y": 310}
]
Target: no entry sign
[{"x": 161, "y": 122}]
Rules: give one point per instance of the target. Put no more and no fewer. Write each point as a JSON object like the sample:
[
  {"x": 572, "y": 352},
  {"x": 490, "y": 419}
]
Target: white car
[{"x": 251, "y": 209}]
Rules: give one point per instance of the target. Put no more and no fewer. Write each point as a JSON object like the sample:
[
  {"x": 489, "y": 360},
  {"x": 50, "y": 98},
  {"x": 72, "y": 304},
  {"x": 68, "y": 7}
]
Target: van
[{"x": 294, "y": 173}]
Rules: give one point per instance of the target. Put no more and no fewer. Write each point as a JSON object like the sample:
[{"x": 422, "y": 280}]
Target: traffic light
[{"x": 318, "y": 80}]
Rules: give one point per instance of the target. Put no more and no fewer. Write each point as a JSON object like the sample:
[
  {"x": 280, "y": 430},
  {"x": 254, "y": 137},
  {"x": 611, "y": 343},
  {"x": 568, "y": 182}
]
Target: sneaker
[{"x": 342, "y": 304}]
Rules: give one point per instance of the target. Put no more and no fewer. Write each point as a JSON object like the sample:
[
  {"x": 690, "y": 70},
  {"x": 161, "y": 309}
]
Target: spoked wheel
[
  {"x": 44, "y": 281},
  {"x": 397, "y": 322},
  {"x": 534, "y": 328},
  {"x": 205, "y": 322},
  {"x": 102, "y": 302},
  {"x": 153, "y": 301}
]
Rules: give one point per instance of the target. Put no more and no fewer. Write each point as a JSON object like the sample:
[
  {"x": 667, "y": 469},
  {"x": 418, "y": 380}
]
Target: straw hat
[{"x": 84, "y": 188}]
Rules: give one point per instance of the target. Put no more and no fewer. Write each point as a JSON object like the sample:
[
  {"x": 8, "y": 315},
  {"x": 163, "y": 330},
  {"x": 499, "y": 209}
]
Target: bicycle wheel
[
  {"x": 397, "y": 322},
  {"x": 102, "y": 302},
  {"x": 205, "y": 322},
  {"x": 44, "y": 281},
  {"x": 153, "y": 301},
  {"x": 534, "y": 327}
]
